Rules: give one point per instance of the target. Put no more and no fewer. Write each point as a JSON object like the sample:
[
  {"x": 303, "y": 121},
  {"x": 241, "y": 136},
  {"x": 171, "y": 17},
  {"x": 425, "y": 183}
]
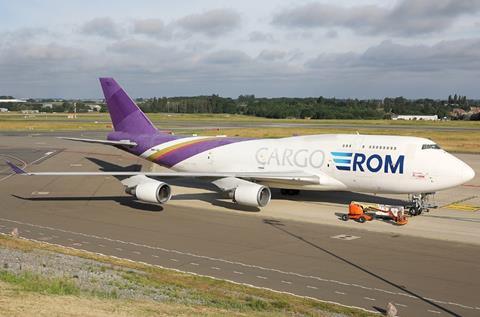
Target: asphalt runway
[{"x": 347, "y": 263}]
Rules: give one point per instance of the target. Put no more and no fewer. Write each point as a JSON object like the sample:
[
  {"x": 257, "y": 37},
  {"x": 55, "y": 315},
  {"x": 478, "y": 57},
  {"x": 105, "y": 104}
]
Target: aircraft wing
[
  {"x": 288, "y": 176},
  {"x": 121, "y": 142}
]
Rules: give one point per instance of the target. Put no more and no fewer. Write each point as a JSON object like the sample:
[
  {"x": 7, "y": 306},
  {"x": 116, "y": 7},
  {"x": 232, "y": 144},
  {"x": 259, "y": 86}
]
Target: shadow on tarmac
[
  {"x": 122, "y": 200},
  {"x": 277, "y": 224}
]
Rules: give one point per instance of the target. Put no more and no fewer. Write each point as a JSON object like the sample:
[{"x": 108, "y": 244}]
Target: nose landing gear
[{"x": 419, "y": 203}]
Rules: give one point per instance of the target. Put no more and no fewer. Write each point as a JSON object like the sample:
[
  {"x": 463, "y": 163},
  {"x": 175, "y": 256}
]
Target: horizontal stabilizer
[
  {"x": 15, "y": 168},
  {"x": 121, "y": 142}
]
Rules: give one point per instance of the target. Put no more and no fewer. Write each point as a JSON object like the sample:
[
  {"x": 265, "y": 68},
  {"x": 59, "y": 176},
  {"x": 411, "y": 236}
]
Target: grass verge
[{"x": 209, "y": 295}]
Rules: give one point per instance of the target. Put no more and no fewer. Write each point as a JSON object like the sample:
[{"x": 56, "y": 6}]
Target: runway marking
[
  {"x": 341, "y": 293},
  {"x": 76, "y": 165},
  {"x": 286, "y": 282},
  {"x": 215, "y": 268},
  {"x": 261, "y": 277},
  {"x": 174, "y": 260},
  {"x": 69, "y": 239},
  {"x": 237, "y": 272},
  {"x": 434, "y": 311},
  {"x": 369, "y": 298},
  {"x": 136, "y": 252},
  {"x": 384, "y": 291},
  {"x": 364, "y": 287},
  {"x": 210, "y": 258},
  {"x": 119, "y": 249},
  {"x": 155, "y": 256},
  {"x": 195, "y": 264},
  {"x": 85, "y": 242},
  {"x": 462, "y": 207},
  {"x": 101, "y": 246},
  {"x": 401, "y": 305},
  {"x": 77, "y": 244},
  {"x": 345, "y": 237},
  {"x": 40, "y": 193},
  {"x": 460, "y": 305}
]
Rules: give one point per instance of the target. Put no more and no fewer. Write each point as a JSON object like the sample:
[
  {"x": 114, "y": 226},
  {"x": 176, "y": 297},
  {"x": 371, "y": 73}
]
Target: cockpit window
[{"x": 430, "y": 146}]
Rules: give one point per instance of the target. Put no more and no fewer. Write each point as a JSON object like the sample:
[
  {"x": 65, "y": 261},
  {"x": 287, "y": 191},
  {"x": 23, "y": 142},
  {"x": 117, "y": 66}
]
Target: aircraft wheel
[
  {"x": 344, "y": 217},
  {"x": 413, "y": 212}
]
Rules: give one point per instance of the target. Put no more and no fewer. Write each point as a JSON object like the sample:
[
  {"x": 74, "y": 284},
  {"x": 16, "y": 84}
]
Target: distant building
[
  {"x": 94, "y": 107},
  {"x": 3, "y": 110},
  {"x": 11, "y": 100},
  {"x": 47, "y": 105},
  {"x": 30, "y": 111},
  {"x": 415, "y": 117}
]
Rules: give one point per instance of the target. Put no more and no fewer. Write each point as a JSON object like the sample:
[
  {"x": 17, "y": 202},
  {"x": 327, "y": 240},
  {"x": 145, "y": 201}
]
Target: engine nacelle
[
  {"x": 252, "y": 195},
  {"x": 152, "y": 192}
]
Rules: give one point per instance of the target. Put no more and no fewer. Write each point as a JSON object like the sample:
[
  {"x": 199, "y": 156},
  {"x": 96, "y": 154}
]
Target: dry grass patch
[{"x": 216, "y": 297}]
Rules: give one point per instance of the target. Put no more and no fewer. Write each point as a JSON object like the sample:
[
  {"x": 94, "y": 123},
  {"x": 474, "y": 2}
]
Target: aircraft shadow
[
  {"x": 121, "y": 200},
  {"x": 214, "y": 199},
  {"x": 337, "y": 197}
]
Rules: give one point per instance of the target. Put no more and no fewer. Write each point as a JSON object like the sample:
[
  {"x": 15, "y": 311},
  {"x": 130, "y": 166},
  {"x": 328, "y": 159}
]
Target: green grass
[
  {"x": 182, "y": 289},
  {"x": 35, "y": 283}
]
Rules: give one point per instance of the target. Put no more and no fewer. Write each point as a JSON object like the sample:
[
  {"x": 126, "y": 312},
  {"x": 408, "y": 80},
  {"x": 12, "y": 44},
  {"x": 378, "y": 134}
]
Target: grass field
[
  {"x": 455, "y": 140},
  {"x": 27, "y": 294}
]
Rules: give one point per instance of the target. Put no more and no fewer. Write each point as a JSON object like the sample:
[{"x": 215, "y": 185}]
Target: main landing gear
[
  {"x": 289, "y": 192},
  {"x": 419, "y": 203}
]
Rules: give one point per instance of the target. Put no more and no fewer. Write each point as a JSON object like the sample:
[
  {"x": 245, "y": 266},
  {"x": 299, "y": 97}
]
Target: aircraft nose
[{"x": 468, "y": 173}]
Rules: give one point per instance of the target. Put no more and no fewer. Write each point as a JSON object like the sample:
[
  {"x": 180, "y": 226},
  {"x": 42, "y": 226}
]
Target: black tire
[
  {"x": 362, "y": 219},
  {"x": 344, "y": 217},
  {"x": 413, "y": 212},
  {"x": 284, "y": 191}
]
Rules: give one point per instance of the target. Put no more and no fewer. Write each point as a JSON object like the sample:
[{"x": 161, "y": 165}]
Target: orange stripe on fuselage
[{"x": 159, "y": 154}]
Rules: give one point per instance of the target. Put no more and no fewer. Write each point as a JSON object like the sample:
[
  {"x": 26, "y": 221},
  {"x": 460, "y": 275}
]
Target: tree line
[{"x": 314, "y": 108}]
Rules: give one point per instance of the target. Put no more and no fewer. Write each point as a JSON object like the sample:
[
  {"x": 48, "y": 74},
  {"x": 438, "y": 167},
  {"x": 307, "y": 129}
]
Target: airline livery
[{"x": 248, "y": 168}]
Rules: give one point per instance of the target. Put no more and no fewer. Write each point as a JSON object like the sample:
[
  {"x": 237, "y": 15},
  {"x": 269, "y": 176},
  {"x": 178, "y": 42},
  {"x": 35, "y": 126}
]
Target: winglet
[{"x": 15, "y": 168}]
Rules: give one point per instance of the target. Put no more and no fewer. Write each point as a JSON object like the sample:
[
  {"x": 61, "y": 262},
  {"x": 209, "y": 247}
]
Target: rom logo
[{"x": 376, "y": 163}]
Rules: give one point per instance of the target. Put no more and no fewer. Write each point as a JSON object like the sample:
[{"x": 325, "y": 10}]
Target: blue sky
[{"x": 362, "y": 48}]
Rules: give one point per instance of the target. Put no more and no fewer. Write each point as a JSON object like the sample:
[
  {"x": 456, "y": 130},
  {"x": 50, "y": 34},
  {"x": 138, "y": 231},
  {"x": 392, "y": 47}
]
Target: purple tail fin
[{"x": 125, "y": 114}]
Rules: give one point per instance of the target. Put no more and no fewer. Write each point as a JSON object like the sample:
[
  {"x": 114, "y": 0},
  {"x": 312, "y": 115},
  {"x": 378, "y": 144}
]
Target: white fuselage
[{"x": 365, "y": 163}]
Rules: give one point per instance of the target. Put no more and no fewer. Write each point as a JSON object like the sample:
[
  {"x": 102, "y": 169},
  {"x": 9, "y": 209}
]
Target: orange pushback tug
[{"x": 366, "y": 211}]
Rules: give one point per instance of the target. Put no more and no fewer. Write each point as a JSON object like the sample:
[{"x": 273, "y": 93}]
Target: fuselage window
[{"x": 430, "y": 146}]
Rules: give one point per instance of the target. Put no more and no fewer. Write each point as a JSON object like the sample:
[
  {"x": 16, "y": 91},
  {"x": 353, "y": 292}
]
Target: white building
[
  {"x": 11, "y": 100},
  {"x": 415, "y": 117},
  {"x": 3, "y": 110},
  {"x": 94, "y": 107}
]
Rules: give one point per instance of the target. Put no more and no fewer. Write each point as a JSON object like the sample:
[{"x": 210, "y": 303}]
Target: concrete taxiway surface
[{"x": 365, "y": 265}]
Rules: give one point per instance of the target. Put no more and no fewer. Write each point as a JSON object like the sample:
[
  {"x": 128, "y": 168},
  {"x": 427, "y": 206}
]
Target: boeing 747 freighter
[{"x": 248, "y": 168}]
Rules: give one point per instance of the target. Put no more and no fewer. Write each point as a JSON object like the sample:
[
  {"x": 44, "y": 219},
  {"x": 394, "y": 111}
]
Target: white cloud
[
  {"x": 102, "y": 26},
  {"x": 406, "y": 18},
  {"x": 212, "y": 23}
]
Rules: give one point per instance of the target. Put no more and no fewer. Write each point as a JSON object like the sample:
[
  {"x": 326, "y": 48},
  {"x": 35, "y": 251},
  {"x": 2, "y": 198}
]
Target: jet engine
[
  {"x": 253, "y": 195},
  {"x": 152, "y": 192}
]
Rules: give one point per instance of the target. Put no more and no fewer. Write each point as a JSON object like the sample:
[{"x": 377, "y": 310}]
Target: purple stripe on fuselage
[
  {"x": 144, "y": 141},
  {"x": 176, "y": 156},
  {"x": 147, "y": 141}
]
